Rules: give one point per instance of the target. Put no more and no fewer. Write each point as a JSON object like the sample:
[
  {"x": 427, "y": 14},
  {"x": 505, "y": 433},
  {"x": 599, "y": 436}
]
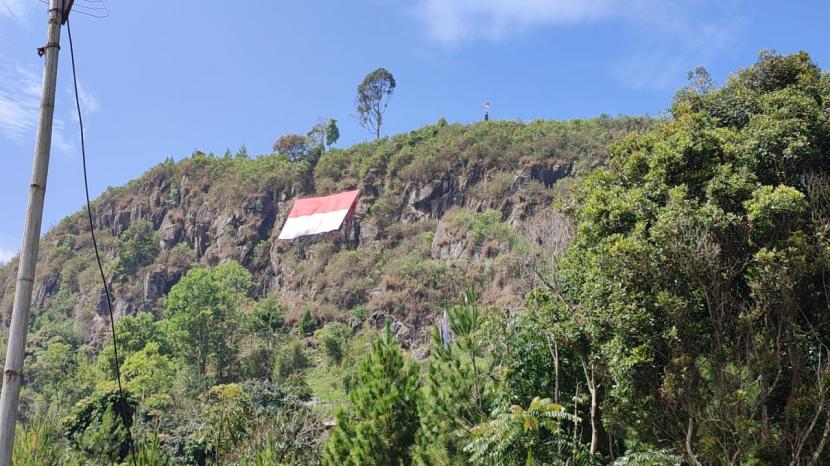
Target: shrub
[
  {"x": 150, "y": 452},
  {"x": 226, "y": 409},
  {"x": 266, "y": 317},
  {"x": 180, "y": 256},
  {"x": 333, "y": 337},
  {"x": 135, "y": 247},
  {"x": 97, "y": 424},
  {"x": 147, "y": 372},
  {"x": 290, "y": 358},
  {"x": 379, "y": 425},
  {"x": 307, "y": 323},
  {"x": 360, "y": 312},
  {"x": 36, "y": 445}
]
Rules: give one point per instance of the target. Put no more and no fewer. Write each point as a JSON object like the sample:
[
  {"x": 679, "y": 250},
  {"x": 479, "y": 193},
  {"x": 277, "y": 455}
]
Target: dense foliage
[
  {"x": 694, "y": 294},
  {"x": 380, "y": 423}
]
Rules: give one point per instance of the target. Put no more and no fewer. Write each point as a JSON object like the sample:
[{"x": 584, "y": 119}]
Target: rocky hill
[{"x": 443, "y": 208}]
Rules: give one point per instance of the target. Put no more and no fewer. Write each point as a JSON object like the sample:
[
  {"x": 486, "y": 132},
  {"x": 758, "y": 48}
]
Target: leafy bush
[
  {"x": 136, "y": 246},
  {"x": 181, "y": 256},
  {"x": 415, "y": 281},
  {"x": 283, "y": 431},
  {"x": 529, "y": 436},
  {"x": 97, "y": 425},
  {"x": 226, "y": 408},
  {"x": 204, "y": 310},
  {"x": 690, "y": 263},
  {"x": 333, "y": 337},
  {"x": 147, "y": 372},
  {"x": 360, "y": 312},
  {"x": 307, "y": 323},
  {"x": 37, "y": 445},
  {"x": 774, "y": 211},
  {"x": 495, "y": 188},
  {"x": 150, "y": 452},
  {"x": 290, "y": 359},
  {"x": 380, "y": 423},
  {"x": 266, "y": 317}
]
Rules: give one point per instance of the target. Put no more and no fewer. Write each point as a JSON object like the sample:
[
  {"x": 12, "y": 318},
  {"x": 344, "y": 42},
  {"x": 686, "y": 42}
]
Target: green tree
[
  {"x": 52, "y": 368},
  {"x": 150, "y": 452},
  {"x": 378, "y": 427},
  {"x": 293, "y": 146},
  {"x": 324, "y": 134},
  {"x": 135, "y": 247},
  {"x": 37, "y": 445},
  {"x": 226, "y": 408},
  {"x": 204, "y": 308},
  {"x": 528, "y": 436},
  {"x": 105, "y": 443},
  {"x": 290, "y": 360},
  {"x": 307, "y": 323},
  {"x": 97, "y": 425},
  {"x": 147, "y": 372},
  {"x": 266, "y": 317},
  {"x": 373, "y": 95},
  {"x": 332, "y": 132},
  {"x": 134, "y": 333},
  {"x": 333, "y": 338},
  {"x": 694, "y": 292},
  {"x": 459, "y": 389},
  {"x": 286, "y": 430}
]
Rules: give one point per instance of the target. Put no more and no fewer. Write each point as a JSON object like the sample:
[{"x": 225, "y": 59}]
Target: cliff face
[{"x": 442, "y": 208}]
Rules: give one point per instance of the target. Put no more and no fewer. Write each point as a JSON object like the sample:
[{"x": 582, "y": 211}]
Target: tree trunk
[
  {"x": 554, "y": 354},
  {"x": 592, "y": 389},
  {"x": 576, "y": 411},
  {"x": 821, "y": 444},
  {"x": 689, "y": 433},
  {"x": 594, "y": 436}
]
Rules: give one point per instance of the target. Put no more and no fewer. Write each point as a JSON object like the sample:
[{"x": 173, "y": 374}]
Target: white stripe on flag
[{"x": 313, "y": 224}]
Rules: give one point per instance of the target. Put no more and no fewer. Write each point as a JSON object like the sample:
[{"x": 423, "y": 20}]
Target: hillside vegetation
[
  {"x": 443, "y": 209},
  {"x": 208, "y": 210},
  {"x": 614, "y": 291}
]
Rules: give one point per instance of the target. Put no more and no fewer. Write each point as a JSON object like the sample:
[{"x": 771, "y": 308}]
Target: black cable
[{"x": 124, "y": 410}]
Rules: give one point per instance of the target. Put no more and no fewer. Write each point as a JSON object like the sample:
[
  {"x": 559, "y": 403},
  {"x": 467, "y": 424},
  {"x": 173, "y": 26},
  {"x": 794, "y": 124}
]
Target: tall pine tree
[
  {"x": 379, "y": 425},
  {"x": 459, "y": 390}
]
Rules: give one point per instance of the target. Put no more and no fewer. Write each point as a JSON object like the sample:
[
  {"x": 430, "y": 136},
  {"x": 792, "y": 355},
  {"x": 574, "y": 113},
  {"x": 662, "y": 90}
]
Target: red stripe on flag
[{"x": 316, "y": 205}]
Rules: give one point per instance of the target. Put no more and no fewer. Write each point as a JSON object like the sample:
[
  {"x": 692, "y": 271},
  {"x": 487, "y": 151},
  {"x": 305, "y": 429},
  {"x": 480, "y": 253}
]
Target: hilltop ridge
[{"x": 430, "y": 198}]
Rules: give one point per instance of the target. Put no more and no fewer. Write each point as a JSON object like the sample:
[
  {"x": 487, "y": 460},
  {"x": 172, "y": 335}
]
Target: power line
[
  {"x": 124, "y": 410},
  {"x": 93, "y": 8}
]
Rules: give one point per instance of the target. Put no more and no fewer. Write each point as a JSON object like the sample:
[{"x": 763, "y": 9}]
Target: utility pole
[{"x": 13, "y": 374}]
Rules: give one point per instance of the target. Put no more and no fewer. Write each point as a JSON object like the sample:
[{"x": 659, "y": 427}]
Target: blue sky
[{"x": 162, "y": 78}]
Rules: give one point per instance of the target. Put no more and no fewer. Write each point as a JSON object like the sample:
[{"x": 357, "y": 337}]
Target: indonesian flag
[{"x": 314, "y": 215}]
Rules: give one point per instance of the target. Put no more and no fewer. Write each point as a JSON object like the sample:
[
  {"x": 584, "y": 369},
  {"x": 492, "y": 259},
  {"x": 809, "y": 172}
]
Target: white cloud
[
  {"x": 89, "y": 104},
  {"x": 6, "y": 255},
  {"x": 457, "y": 21},
  {"x": 19, "y": 100},
  {"x": 59, "y": 141},
  {"x": 16, "y": 10},
  {"x": 678, "y": 44},
  {"x": 20, "y": 89},
  {"x": 7, "y": 248},
  {"x": 666, "y": 38}
]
